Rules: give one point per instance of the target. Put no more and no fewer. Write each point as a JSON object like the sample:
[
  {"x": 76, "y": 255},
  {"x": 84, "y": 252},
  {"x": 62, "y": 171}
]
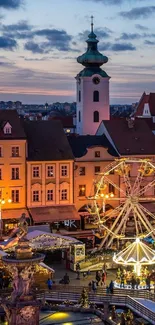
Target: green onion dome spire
[{"x": 92, "y": 57}]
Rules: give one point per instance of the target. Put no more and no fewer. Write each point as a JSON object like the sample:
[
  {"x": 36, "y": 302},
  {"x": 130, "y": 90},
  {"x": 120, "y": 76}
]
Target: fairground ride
[{"x": 133, "y": 190}]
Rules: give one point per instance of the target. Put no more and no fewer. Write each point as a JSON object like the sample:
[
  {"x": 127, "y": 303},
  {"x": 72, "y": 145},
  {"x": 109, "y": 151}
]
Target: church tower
[{"x": 92, "y": 89}]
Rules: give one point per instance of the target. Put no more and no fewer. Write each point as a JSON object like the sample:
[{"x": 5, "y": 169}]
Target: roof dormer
[
  {"x": 146, "y": 111},
  {"x": 7, "y": 129}
]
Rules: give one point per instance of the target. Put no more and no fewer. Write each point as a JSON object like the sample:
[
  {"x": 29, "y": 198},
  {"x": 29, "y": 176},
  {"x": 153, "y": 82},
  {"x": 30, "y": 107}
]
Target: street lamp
[{"x": 2, "y": 202}]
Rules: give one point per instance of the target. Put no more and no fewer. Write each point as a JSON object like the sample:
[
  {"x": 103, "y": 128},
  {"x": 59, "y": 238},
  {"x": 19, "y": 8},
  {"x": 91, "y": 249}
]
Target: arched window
[
  {"x": 79, "y": 95},
  {"x": 96, "y": 116},
  {"x": 96, "y": 96},
  {"x": 79, "y": 116}
]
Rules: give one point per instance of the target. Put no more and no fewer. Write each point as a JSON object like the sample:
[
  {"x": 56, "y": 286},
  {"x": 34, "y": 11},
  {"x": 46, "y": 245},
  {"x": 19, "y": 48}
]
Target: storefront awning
[
  {"x": 54, "y": 213},
  {"x": 14, "y": 213}
]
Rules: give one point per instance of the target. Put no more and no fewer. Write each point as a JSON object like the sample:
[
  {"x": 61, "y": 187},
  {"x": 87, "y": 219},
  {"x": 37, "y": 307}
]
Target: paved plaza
[{"x": 60, "y": 271}]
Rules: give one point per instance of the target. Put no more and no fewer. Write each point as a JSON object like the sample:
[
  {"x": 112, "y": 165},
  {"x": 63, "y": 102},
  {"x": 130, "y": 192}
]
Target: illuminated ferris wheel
[{"x": 131, "y": 182}]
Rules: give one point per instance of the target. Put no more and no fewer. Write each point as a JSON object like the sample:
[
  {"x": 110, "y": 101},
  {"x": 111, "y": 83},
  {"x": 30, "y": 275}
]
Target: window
[
  {"x": 79, "y": 95},
  {"x": 64, "y": 195},
  {"x": 96, "y": 96},
  {"x": 64, "y": 171},
  {"x": 50, "y": 171},
  {"x": 82, "y": 190},
  {"x": 35, "y": 196},
  {"x": 35, "y": 171},
  {"x": 0, "y": 173},
  {"x": 50, "y": 195},
  {"x": 7, "y": 128},
  {"x": 97, "y": 154},
  {"x": 82, "y": 171},
  {"x": 97, "y": 169},
  {"x": 111, "y": 189},
  {"x": 96, "y": 116},
  {"x": 1, "y": 152},
  {"x": 15, "y": 173},
  {"x": 15, "y": 151},
  {"x": 15, "y": 196},
  {"x": 79, "y": 116}
]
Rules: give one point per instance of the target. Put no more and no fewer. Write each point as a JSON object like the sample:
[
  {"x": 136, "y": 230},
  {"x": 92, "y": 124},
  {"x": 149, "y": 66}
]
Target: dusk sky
[{"x": 41, "y": 39}]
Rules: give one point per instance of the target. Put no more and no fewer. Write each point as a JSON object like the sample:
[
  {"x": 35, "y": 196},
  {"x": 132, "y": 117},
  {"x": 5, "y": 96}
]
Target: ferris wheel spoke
[
  {"x": 108, "y": 180},
  {"x": 114, "y": 211},
  {"x": 124, "y": 220},
  {"x": 146, "y": 188},
  {"x": 136, "y": 221},
  {"x": 147, "y": 211},
  {"x": 144, "y": 219},
  {"x": 114, "y": 225},
  {"x": 125, "y": 173},
  {"x": 139, "y": 178}
]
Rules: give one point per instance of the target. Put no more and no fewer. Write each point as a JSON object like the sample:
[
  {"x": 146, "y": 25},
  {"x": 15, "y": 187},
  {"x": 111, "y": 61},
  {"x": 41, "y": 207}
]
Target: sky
[{"x": 41, "y": 39}]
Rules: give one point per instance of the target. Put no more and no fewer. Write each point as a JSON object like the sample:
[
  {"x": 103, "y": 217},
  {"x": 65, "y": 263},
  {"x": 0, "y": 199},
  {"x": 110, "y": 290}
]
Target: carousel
[{"x": 126, "y": 227}]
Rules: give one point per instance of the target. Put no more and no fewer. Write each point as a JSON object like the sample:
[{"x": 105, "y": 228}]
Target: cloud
[
  {"x": 35, "y": 47},
  {"x": 22, "y": 25},
  {"x": 20, "y": 30},
  {"x": 147, "y": 42},
  {"x": 103, "y": 32},
  {"x": 129, "y": 36},
  {"x": 141, "y": 27},
  {"x": 11, "y": 4},
  {"x": 53, "y": 39},
  {"x": 58, "y": 39},
  {"x": 138, "y": 12},
  {"x": 117, "y": 47},
  {"x": 107, "y": 2},
  {"x": 112, "y": 2},
  {"x": 7, "y": 43},
  {"x": 6, "y": 64}
]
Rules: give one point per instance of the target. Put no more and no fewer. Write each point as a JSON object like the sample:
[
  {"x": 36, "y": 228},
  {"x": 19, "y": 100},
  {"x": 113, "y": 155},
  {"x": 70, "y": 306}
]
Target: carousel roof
[{"x": 137, "y": 252}]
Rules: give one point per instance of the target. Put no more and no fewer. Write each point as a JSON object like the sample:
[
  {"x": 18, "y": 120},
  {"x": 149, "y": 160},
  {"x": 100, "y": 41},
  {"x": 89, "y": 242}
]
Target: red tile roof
[
  {"x": 138, "y": 140},
  {"x": 146, "y": 99},
  {"x": 12, "y": 117},
  {"x": 67, "y": 121}
]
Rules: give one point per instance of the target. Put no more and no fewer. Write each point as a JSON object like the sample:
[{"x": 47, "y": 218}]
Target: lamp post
[{"x": 2, "y": 202}]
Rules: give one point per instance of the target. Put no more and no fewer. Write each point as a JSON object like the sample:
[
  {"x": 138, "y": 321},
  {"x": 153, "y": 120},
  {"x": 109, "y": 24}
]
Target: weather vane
[{"x": 92, "y": 23}]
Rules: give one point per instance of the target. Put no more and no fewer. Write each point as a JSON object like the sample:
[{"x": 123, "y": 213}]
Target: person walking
[
  {"x": 104, "y": 276},
  {"x": 94, "y": 286},
  {"x": 111, "y": 287},
  {"x": 49, "y": 283}
]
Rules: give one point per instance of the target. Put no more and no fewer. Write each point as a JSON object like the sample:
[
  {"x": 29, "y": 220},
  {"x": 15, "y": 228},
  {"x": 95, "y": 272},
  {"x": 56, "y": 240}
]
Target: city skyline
[{"x": 39, "y": 46}]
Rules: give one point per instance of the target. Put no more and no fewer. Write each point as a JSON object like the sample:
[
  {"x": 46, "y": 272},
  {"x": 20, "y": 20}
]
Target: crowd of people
[{"x": 124, "y": 277}]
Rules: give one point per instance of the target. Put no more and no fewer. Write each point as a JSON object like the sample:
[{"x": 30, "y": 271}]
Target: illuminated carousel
[{"x": 126, "y": 226}]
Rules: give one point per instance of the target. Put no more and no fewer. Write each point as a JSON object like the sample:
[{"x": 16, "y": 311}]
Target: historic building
[
  {"x": 92, "y": 154},
  {"x": 92, "y": 89},
  {"x": 49, "y": 173},
  {"x": 12, "y": 168}
]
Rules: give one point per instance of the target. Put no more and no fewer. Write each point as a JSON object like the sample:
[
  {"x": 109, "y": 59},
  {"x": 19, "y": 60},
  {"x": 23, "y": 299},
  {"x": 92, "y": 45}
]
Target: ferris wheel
[{"x": 131, "y": 182}]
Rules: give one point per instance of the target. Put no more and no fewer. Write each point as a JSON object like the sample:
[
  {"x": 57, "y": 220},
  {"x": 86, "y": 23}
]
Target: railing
[
  {"x": 120, "y": 297},
  {"x": 120, "y": 300},
  {"x": 145, "y": 294}
]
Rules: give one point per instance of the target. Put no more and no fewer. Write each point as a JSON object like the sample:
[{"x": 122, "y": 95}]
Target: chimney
[{"x": 131, "y": 122}]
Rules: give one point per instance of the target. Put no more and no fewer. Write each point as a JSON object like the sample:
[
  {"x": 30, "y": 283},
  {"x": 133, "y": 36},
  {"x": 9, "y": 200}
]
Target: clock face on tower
[{"x": 96, "y": 80}]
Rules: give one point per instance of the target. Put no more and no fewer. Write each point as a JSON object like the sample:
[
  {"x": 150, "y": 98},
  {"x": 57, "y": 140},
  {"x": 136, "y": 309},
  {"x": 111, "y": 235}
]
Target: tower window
[
  {"x": 79, "y": 95},
  {"x": 79, "y": 116},
  {"x": 96, "y": 116},
  {"x": 96, "y": 96}
]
